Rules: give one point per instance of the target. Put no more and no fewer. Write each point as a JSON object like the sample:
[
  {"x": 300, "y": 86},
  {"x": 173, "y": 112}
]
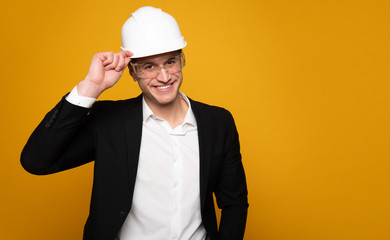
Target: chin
[
  {"x": 165, "y": 102},
  {"x": 167, "y": 99}
]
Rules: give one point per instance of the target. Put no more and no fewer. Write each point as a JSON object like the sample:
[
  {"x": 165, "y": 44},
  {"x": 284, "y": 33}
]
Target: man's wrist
[
  {"x": 87, "y": 88},
  {"x": 82, "y": 101}
]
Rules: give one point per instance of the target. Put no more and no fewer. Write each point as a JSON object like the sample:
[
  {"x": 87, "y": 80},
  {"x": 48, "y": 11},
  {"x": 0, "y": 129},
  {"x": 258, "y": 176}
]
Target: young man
[{"x": 158, "y": 157}]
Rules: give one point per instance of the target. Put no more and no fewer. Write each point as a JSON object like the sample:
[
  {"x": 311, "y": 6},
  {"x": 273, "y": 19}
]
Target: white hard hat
[{"x": 150, "y": 31}]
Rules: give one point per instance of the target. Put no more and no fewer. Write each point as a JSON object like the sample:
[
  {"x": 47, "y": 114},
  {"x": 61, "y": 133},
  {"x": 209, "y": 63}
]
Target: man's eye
[
  {"x": 148, "y": 67},
  {"x": 171, "y": 62}
]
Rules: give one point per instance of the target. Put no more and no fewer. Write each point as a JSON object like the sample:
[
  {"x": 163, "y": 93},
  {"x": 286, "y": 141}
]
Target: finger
[
  {"x": 108, "y": 58},
  {"x": 114, "y": 62},
  {"x": 121, "y": 64},
  {"x": 127, "y": 54},
  {"x": 127, "y": 61}
]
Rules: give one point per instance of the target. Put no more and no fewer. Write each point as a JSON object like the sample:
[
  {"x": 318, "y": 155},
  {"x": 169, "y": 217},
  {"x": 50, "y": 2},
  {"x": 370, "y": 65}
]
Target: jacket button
[{"x": 122, "y": 214}]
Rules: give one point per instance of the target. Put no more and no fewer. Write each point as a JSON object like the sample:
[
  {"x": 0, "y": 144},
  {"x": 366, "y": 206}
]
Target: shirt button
[{"x": 175, "y": 183}]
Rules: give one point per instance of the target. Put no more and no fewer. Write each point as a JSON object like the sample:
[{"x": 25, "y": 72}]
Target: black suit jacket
[{"x": 110, "y": 135}]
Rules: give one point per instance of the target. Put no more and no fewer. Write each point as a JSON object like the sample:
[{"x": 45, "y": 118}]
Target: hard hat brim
[{"x": 151, "y": 52}]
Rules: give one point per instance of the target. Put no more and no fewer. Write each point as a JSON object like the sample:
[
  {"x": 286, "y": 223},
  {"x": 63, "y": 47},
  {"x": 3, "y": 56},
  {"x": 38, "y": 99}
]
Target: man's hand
[{"x": 104, "y": 72}]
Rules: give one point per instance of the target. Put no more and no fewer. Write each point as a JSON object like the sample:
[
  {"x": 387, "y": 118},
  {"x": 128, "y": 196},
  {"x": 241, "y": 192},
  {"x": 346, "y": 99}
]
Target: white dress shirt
[{"x": 166, "y": 200}]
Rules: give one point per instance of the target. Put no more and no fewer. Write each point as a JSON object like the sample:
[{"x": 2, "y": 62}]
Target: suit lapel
[
  {"x": 204, "y": 148},
  {"x": 133, "y": 123}
]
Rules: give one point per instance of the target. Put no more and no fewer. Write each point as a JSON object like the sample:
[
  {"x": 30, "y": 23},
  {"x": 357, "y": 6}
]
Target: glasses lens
[
  {"x": 173, "y": 65},
  {"x": 151, "y": 70}
]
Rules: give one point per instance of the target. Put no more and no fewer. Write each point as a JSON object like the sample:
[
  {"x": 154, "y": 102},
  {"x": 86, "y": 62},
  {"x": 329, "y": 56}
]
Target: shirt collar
[
  {"x": 188, "y": 119},
  {"x": 146, "y": 111}
]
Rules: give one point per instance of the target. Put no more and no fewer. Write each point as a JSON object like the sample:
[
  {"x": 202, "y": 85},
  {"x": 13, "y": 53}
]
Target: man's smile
[{"x": 164, "y": 88}]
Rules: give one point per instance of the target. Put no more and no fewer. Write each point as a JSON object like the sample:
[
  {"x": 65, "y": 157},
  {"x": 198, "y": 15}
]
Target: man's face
[{"x": 163, "y": 89}]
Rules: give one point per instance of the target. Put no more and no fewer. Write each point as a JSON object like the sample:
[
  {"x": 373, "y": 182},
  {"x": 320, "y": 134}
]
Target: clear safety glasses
[{"x": 151, "y": 70}]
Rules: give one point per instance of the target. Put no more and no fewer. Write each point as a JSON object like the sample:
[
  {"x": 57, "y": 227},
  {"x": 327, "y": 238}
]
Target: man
[{"x": 158, "y": 157}]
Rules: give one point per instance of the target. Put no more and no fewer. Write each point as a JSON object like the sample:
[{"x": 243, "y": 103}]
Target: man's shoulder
[
  {"x": 209, "y": 111},
  {"x": 114, "y": 109},
  {"x": 113, "y": 104}
]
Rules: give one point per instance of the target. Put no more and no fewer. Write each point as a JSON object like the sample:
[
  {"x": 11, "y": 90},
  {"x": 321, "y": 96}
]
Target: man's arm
[
  {"x": 63, "y": 140},
  {"x": 231, "y": 192}
]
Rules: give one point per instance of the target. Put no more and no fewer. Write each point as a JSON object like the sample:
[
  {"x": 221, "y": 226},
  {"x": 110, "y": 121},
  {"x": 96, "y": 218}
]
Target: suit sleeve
[
  {"x": 62, "y": 140},
  {"x": 231, "y": 191}
]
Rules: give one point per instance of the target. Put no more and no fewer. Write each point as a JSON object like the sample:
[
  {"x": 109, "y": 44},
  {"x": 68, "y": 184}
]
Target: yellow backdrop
[{"x": 307, "y": 83}]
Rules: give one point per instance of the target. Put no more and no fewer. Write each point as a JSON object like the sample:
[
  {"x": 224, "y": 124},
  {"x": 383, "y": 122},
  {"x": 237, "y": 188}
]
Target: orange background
[{"x": 307, "y": 83}]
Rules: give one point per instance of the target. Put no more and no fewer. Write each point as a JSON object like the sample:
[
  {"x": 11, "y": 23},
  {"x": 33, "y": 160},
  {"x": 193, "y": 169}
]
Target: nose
[{"x": 163, "y": 75}]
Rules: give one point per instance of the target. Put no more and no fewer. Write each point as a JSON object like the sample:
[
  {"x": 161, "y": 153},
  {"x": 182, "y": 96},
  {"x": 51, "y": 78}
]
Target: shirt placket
[{"x": 176, "y": 160}]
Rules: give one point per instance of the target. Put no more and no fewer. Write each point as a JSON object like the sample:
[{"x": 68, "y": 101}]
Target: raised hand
[{"x": 104, "y": 72}]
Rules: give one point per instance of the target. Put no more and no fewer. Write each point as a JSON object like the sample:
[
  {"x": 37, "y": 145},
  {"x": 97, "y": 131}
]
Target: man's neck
[{"x": 174, "y": 113}]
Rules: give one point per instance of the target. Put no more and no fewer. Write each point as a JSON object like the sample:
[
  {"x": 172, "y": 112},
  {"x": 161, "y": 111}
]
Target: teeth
[{"x": 164, "y": 87}]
